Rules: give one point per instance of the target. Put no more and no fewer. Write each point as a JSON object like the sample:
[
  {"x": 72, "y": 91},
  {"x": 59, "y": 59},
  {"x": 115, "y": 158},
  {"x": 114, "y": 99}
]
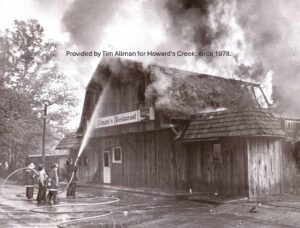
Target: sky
[{"x": 262, "y": 36}]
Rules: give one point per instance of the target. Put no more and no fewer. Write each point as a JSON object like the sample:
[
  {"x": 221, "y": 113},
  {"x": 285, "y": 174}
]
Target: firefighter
[
  {"x": 52, "y": 185},
  {"x": 29, "y": 180},
  {"x": 71, "y": 178},
  {"x": 41, "y": 196}
]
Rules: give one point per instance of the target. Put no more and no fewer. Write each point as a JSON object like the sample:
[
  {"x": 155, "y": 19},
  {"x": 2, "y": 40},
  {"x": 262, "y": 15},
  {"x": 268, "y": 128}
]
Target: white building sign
[{"x": 119, "y": 119}]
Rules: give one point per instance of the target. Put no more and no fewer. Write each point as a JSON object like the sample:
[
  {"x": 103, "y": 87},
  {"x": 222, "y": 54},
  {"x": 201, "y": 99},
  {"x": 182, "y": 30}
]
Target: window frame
[
  {"x": 113, "y": 155},
  {"x": 216, "y": 155},
  {"x": 108, "y": 165}
]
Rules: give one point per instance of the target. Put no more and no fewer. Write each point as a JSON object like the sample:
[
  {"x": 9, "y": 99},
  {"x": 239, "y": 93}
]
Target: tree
[{"x": 30, "y": 79}]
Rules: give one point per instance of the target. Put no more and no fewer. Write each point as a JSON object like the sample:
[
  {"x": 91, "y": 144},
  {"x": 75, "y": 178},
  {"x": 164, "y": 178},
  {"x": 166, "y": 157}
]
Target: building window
[
  {"x": 85, "y": 160},
  {"x": 106, "y": 159},
  {"x": 216, "y": 153},
  {"x": 117, "y": 155}
]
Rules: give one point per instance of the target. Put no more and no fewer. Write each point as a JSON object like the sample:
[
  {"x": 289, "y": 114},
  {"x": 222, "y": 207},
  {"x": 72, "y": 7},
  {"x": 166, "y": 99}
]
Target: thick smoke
[
  {"x": 86, "y": 20},
  {"x": 261, "y": 36},
  {"x": 189, "y": 22},
  {"x": 272, "y": 29},
  {"x": 213, "y": 26}
]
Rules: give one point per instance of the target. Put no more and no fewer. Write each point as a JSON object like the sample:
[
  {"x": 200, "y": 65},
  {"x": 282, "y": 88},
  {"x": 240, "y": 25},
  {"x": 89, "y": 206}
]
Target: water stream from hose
[
  {"x": 89, "y": 129},
  {"x": 91, "y": 124}
]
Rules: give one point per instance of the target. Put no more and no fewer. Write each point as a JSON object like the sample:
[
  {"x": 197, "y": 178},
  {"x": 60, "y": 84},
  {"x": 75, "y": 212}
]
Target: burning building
[{"x": 166, "y": 128}]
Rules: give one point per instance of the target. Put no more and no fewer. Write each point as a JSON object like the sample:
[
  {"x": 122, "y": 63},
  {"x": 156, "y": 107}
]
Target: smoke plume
[
  {"x": 272, "y": 29},
  {"x": 261, "y": 37}
]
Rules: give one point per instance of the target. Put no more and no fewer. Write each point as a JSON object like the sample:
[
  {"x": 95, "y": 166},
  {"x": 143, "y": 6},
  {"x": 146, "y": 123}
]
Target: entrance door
[{"x": 106, "y": 168}]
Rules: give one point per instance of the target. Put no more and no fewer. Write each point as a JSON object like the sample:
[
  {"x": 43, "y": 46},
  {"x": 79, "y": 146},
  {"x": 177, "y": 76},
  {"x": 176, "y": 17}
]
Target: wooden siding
[
  {"x": 151, "y": 159},
  {"x": 119, "y": 97},
  {"x": 229, "y": 175},
  {"x": 88, "y": 166},
  {"x": 248, "y": 166},
  {"x": 291, "y": 182},
  {"x": 265, "y": 162}
]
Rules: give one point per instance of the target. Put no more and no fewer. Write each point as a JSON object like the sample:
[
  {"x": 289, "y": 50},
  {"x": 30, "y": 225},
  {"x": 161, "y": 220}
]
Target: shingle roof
[
  {"x": 250, "y": 122},
  {"x": 70, "y": 141}
]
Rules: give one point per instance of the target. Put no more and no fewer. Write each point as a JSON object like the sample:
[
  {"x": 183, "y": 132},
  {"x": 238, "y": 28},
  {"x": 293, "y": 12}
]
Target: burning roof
[
  {"x": 189, "y": 93},
  {"x": 173, "y": 91}
]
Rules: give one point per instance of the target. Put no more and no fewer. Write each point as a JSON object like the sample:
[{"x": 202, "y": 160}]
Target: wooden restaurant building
[{"x": 165, "y": 128}]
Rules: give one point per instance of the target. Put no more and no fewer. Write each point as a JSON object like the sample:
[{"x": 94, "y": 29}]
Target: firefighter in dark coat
[
  {"x": 52, "y": 185},
  {"x": 41, "y": 196},
  {"x": 29, "y": 180},
  {"x": 71, "y": 178}
]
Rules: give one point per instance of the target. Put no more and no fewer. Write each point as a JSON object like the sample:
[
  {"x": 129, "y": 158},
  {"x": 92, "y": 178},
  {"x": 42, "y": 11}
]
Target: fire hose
[
  {"x": 26, "y": 168},
  {"x": 72, "y": 176},
  {"x": 104, "y": 213},
  {"x": 109, "y": 200},
  {"x": 9, "y": 176}
]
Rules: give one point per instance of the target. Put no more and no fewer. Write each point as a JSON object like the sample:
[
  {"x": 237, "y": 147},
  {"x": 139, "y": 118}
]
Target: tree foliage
[{"x": 29, "y": 79}]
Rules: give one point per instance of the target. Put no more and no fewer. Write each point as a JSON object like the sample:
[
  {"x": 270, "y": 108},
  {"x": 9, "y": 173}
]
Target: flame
[{"x": 259, "y": 43}]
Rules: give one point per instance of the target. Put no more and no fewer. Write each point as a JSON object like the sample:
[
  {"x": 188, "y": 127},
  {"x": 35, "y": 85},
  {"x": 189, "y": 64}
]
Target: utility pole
[{"x": 44, "y": 134}]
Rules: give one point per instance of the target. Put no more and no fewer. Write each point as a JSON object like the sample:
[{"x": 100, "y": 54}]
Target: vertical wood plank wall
[
  {"x": 151, "y": 159},
  {"x": 265, "y": 162},
  {"x": 87, "y": 171},
  {"x": 227, "y": 176},
  {"x": 290, "y": 181},
  {"x": 251, "y": 167}
]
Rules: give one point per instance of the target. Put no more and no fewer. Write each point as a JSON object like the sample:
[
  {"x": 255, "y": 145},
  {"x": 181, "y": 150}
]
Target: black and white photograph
[{"x": 150, "y": 113}]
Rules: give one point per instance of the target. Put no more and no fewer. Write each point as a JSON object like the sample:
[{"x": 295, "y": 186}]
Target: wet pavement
[{"x": 105, "y": 208}]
